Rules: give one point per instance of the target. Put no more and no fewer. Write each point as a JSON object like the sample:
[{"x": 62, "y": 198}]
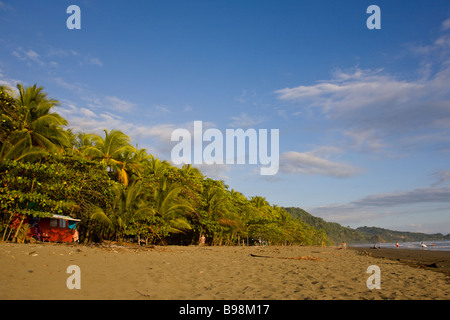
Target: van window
[
  {"x": 53, "y": 222},
  {"x": 62, "y": 223},
  {"x": 72, "y": 225}
]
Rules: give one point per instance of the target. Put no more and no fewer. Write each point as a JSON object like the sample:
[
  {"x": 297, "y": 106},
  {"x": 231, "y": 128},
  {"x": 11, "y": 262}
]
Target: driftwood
[{"x": 291, "y": 258}]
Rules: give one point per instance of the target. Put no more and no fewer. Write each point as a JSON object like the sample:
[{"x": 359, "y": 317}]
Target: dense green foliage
[{"x": 121, "y": 192}]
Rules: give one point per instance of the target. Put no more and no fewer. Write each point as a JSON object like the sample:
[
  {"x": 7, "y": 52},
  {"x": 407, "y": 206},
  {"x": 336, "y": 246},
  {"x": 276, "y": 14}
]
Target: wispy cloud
[
  {"x": 245, "y": 121},
  {"x": 246, "y": 96},
  {"x": 28, "y": 55},
  {"x": 94, "y": 118},
  {"x": 54, "y": 56},
  {"x": 375, "y": 107},
  {"x": 5, "y": 6},
  {"x": 420, "y": 195},
  {"x": 214, "y": 171},
  {"x": 95, "y": 61},
  {"x": 446, "y": 25},
  {"x": 316, "y": 162},
  {"x": 441, "y": 177},
  {"x": 378, "y": 111},
  {"x": 378, "y": 206},
  {"x": 364, "y": 140},
  {"x": 119, "y": 104},
  {"x": 10, "y": 83}
]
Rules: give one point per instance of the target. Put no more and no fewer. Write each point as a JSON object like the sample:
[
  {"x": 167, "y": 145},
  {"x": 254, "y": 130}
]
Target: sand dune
[{"x": 38, "y": 271}]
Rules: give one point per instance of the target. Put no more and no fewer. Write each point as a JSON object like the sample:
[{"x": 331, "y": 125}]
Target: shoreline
[
  {"x": 38, "y": 271},
  {"x": 435, "y": 260}
]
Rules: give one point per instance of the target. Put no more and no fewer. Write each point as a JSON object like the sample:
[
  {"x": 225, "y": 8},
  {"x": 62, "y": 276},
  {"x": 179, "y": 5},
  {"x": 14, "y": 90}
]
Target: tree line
[{"x": 118, "y": 191}]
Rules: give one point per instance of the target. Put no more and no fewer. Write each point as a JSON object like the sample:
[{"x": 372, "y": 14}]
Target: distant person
[
  {"x": 76, "y": 236},
  {"x": 202, "y": 241},
  {"x": 423, "y": 245},
  {"x": 396, "y": 244}
]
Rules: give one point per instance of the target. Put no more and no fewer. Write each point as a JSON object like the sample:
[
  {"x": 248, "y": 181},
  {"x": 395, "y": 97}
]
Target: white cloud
[
  {"x": 315, "y": 163},
  {"x": 155, "y": 138},
  {"x": 446, "y": 24},
  {"x": 365, "y": 140},
  {"x": 119, "y": 104},
  {"x": 377, "y": 111},
  {"x": 374, "y": 110},
  {"x": 245, "y": 121},
  {"x": 89, "y": 121},
  {"x": 55, "y": 57},
  {"x": 75, "y": 87},
  {"x": 161, "y": 132},
  {"x": 96, "y": 61},
  {"x": 348, "y": 92},
  {"x": 11, "y": 83},
  {"x": 214, "y": 171},
  {"x": 246, "y": 96},
  {"x": 28, "y": 55},
  {"x": 54, "y": 52}
]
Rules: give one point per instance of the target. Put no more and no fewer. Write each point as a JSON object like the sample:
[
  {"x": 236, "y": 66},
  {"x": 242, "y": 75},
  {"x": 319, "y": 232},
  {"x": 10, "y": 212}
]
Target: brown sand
[
  {"x": 430, "y": 259},
  {"x": 38, "y": 271}
]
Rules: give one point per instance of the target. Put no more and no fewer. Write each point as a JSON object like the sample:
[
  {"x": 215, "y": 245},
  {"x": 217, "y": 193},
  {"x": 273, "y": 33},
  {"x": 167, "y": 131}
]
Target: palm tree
[
  {"x": 218, "y": 212},
  {"x": 20, "y": 151},
  {"x": 136, "y": 160},
  {"x": 38, "y": 126},
  {"x": 260, "y": 202},
  {"x": 169, "y": 208},
  {"x": 215, "y": 203},
  {"x": 112, "y": 151},
  {"x": 131, "y": 206}
]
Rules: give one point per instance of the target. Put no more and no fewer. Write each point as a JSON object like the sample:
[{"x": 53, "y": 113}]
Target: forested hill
[
  {"x": 384, "y": 235},
  {"x": 337, "y": 233}
]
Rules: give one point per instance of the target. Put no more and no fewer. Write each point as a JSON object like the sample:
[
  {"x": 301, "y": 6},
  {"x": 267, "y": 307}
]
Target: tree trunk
[
  {"x": 8, "y": 226},
  {"x": 18, "y": 229}
]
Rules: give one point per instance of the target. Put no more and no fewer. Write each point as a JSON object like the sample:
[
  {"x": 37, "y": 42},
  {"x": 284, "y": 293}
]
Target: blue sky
[{"x": 364, "y": 115}]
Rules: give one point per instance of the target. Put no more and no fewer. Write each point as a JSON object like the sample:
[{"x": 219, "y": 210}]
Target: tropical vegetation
[{"x": 120, "y": 192}]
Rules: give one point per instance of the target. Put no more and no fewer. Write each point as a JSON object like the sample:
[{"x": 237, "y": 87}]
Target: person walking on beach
[
  {"x": 202, "y": 240},
  {"x": 396, "y": 244}
]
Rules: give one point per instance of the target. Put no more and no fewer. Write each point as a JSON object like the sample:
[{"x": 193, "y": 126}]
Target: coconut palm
[
  {"x": 112, "y": 151},
  {"x": 131, "y": 206},
  {"x": 215, "y": 203},
  {"x": 260, "y": 202},
  {"x": 38, "y": 126},
  {"x": 136, "y": 160},
  {"x": 20, "y": 151},
  {"x": 169, "y": 208}
]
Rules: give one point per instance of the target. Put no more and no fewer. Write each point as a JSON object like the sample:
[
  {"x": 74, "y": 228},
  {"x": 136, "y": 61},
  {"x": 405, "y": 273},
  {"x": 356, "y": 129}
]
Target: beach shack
[{"x": 57, "y": 228}]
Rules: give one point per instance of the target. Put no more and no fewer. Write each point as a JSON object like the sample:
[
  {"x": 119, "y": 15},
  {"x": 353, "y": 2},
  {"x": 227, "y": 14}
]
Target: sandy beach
[{"x": 39, "y": 271}]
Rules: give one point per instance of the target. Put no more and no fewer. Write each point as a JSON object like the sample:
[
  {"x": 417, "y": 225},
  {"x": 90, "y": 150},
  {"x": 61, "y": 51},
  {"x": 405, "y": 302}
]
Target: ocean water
[{"x": 438, "y": 245}]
